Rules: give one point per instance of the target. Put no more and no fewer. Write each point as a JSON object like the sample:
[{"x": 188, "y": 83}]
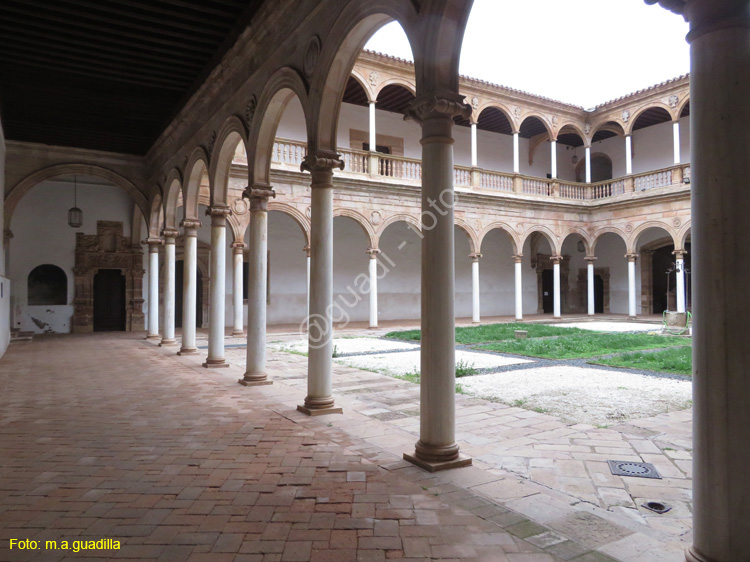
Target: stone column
[
  {"x": 373, "y": 161},
  {"x": 373, "y": 270},
  {"x": 720, "y": 130},
  {"x": 169, "y": 286},
  {"x": 319, "y": 399},
  {"x": 238, "y": 249},
  {"x": 590, "y": 283},
  {"x": 437, "y": 448},
  {"x": 516, "y": 155},
  {"x": 680, "y": 279},
  {"x": 588, "y": 164},
  {"x": 553, "y": 158},
  {"x": 475, "y": 316},
  {"x": 676, "y": 141},
  {"x": 217, "y": 286},
  {"x": 153, "y": 288},
  {"x": 189, "y": 286},
  {"x": 474, "y": 151},
  {"x": 519, "y": 287},
  {"x": 306, "y": 249},
  {"x": 628, "y": 154},
  {"x": 257, "y": 288},
  {"x": 556, "y": 285},
  {"x": 631, "y": 285}
]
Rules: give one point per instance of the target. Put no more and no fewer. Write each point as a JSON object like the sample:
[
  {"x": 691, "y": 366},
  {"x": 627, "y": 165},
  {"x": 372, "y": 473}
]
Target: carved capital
[
  {"x": 7, "y": 235},
  {"x": 190, "y": 224},
  {"x": 218, "y": 211},
  {"x": 372, "y": 252},
  {"x": 153, "y": 244},
  {"x": 556, "y": 259},
  {"x": 475, "y": 256},
  {"x": 238, "y": 247},
  {"x": 306, "y": 249},
  {"x": 258, "y": 195},
  {"x": 631, "y": 257},
  {"x": 679, "y": 254},
  {"x": 168, "y": 233},
  {"x": 321, "y": 162},
  {"x": 441, "y": 104},
  {"x": 518, "y": 258},
  {"x": 590, "y": 259}
]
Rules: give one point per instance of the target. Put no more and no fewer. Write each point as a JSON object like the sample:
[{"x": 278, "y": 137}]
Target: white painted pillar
[
  {"x": 720, "y": 128},
  {"x": 437, "y": 448},
  {"x": 474, "y": 145},
  {"x": 519, "y": 287},
  {"x": 588, "y": 164},
  {"x": 631, "y": 285},
  {"x": 590, "y": 284},
  {"x": 217, "y": 287},
  {"x": 373, "y": 270},
  {"x": 556, "y": 285},
  {"x": 516, "y": 155},
  {"x": 680, "y": 276},
  {"x": 373, "y": 135},
  {"x": 238, "y": 250},
  {"x": 628, "y": 154},
  {"x": 553, "y": 157},
  {"x": 153, "y": 288},
  {"x": 257, "y": 286},
  {"x": 189, "y": 286},
  {"x": 306, "y": 249},
  {"x": 169, "y": 287},
  {"x": 676, "y": 141},
  {"x": 319, "y": 399},
  {"x": 475, "y": 316}
]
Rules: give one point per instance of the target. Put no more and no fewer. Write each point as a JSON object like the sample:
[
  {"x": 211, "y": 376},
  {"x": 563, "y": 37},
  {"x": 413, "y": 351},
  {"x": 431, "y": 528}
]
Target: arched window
[{"x": 48, "y": 284}]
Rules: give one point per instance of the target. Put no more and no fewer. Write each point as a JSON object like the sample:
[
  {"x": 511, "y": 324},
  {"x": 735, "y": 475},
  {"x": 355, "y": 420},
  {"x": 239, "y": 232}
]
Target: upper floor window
[{"x": 47, "y": 285}]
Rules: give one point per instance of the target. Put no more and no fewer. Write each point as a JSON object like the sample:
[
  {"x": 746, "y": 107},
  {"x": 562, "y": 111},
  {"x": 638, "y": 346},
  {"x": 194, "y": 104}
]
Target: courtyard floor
[{"x": 109, "y": 436}]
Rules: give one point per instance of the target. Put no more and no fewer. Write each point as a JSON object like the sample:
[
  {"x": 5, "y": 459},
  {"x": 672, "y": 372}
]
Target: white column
[
  {"x": 474, "y": 145},
  {"x": 475, "y": 317},
  {"x": 519, "y": 287},
  {"x": 153, "y": 288},
  {"x": 556, "y": 285},
  {"x": 257, "y": 286},
  {"x": 189, "y": 286},
  {"x": 516, "y": 155},
  {"x": 628, "y": 154},
  {"x": 680, "y": 276},
  {"x": 437, "y": 448},
  {"x": 631, "y": 285},
  {"x": 319, "y": 399},
  {"x": 720, "y": 128},
  {"x": 590, "y": 284},
  {"x": 373, "y": 135},
  {"x": 588, "y": 164},
  {"x": 553, "y": 158},
  {"x": 169, "y": 286},
  {"x": 238, "y": 250},
  {"x": 217, "y": 288},
  {"x": 676, "y": 141},
  {"x": 373, "y": 270},
  {"x": 306, "y": 249}
]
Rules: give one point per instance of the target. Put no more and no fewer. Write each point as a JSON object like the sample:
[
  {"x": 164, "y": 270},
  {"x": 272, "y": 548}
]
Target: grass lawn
[
  {"x": 494, "y": 332},
  {"x": 678, "y": 360},
  {"x": 583, "y": 345}
]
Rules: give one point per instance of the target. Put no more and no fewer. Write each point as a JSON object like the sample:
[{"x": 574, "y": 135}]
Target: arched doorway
[
  {"x": 179, "y": 272},
  {"x": 109, "y": 301}
]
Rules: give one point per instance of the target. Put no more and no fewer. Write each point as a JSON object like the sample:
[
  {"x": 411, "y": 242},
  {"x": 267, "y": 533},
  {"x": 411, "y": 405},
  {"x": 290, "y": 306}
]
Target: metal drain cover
[{"x": 630, "y": 468}]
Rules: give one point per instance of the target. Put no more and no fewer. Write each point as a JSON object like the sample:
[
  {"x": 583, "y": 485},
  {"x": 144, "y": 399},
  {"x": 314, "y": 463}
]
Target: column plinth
[
  {"x": 189, "y": 287},
  {"x": 257, "y": 289}
]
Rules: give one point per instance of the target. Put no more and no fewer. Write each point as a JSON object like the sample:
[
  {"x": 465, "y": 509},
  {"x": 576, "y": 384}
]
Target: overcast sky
[{"x": 584, "y": 52}]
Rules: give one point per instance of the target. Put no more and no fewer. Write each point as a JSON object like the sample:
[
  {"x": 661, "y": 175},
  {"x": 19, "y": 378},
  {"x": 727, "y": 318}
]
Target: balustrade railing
[
  {"x": 288, "y": 152},
  {"x": 462, "y": 176},
  {"x": 662, "y": 178},
  {"x": 496, "y": 181},
  {"x": 536, "y": 187},
  {"x": 355, "y": 160}
]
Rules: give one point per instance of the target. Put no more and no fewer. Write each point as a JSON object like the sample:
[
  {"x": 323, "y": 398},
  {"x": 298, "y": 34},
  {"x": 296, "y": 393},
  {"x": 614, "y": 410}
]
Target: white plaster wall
[
  {"x": 287, "y": 266},
  {"x": 4, "y": 282},
  {"x": 462, "y": 306},
  {"x": 292, "y": 123},
  {"x": 497, "y": 275},
  {"x": 399, "y": 273},
  {"x": 350, "y": 263},
  {"x": 653, "y": 146},
  {"x": 610, "y": 252},
  {"x": 42, "y": 235},
  {"x": 614, "y": 147}
]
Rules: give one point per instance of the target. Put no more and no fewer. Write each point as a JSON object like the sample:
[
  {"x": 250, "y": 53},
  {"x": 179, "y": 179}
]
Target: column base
[
  {"x": 153, "y": 337},
  {"x": 254, "y": 379},
  {"x": 519, "y": 319},
  {"x": 476, "y": 322},
  {"x": 320, "y": 411},
  {"x": 632, "y": 317},
  {"x": 238, "y": 333},
  {"x": 167, "y": 343},
  {"x": 692, "y": 555},
  {"x": 215, "y": 363},
  {"x": 188, "y": 351},
  {"x": 372, "y": 327},
  {"x": 436, "y": 466}
]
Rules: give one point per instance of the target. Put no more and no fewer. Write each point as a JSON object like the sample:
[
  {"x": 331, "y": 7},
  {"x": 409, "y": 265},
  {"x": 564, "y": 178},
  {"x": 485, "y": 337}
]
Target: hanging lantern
[{"x": 75, "y": 215}]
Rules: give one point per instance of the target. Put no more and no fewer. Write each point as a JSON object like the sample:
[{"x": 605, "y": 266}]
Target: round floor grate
[{"x": 630, "y": 468}]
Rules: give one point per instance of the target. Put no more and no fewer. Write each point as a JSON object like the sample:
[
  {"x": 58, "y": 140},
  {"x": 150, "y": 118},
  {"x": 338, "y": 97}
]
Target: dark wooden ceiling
[
  {"x": 652, "y": 116},
  {"x": 393, "y": 98},
  {"x": 108, "y": 74}
]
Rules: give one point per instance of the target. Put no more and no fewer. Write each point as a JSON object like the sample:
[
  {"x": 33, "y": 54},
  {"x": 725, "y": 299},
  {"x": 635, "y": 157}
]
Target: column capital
[
  {"x": 517, "y": 257},
  {"x": 372, "y": 252},
  {"x": 323, "y": 161},
  {"x": 258, "y": 194},
  {"x": 475, "y": 256},
  {"x": 709, "y": 16},
  {"x": 679, "y": 254},
  {"x": 7, "y": 235},
  {"x": 306, "y": 249},
  {"x": 190, "y": 224},
  {"x": 168, "y": 233},
  {"x": 556, "y": 259},
  {"x": 437, "y": 104},
  {"x": 153, "y": 244},
  {"x": 590, "y": 259},
  {"x": 238, "y": 247},
  {"x": 631, "y": 257},
  {"x": 218, "y": 211}
]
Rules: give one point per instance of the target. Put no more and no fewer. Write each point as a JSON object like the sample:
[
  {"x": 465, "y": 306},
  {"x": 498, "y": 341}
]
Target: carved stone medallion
[{"x": 311, "y": 56}]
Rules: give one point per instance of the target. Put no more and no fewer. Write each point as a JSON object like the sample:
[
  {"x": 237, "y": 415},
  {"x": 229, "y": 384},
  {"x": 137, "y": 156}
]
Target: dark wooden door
[
  {"x": 547, "y": 291},
  {"x": 109, "y": 301},
  {"x": 598, "y": 294}
]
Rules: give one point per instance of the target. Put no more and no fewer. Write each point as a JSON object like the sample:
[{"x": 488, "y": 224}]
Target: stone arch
[
  {"x": 582, "y": 233},
  {"x": 29, "y": 182},
  {"x": 682, "y": 236},
  {"x": 405, "y": 84},
  {"x": 173, "y": 189},
  {"x": 353, "y": 27},
  {"x": 231, "y": 133},
  {"x": 546, "y": 233},
  {"x": 547, "y": 125},
  {"x": 295, "y": 214},
  {"x": 640, "y": 229},
  {"x": 473, "y": 239},
  {"x": 238, "y": 228},
  {"x": 684, "y": 104},
  {"x": 361, "y": 221},
  {"x": 493, "y": 104},
  {"x": 641, "y": 110},
  {"x": 610, "y": 125},
  {"x": 580, "y": 166},
  {"x": 507, "y": 229},
  {"x": 197, "y": 165},
  {"x": 156, "y": 215},
  {"x": 280, "y": 88},
  {"x": 411, "y": 220},
  {"x": 365, "y": 85},
  {"x": 607, "y": 230},
  {"x": 575, "y": 129}
]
